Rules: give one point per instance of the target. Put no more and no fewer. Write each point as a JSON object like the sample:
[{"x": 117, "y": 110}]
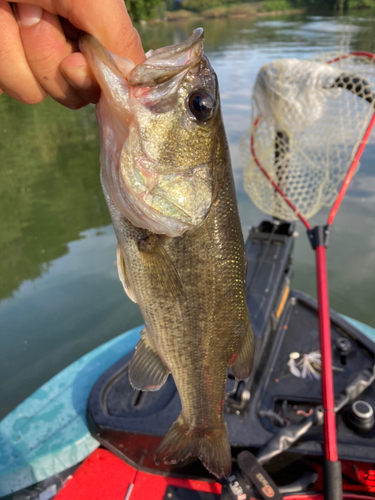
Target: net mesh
[{"x": 308, "y": 118}]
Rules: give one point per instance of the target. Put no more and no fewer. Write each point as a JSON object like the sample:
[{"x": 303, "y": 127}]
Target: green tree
[
  {"x": 334, "y": 4},
  {"x": 144, "y": 9}
]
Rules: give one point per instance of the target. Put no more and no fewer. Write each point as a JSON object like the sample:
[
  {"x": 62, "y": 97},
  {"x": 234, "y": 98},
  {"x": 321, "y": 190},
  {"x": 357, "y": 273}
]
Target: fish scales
[{"x": 190, "y": 286}]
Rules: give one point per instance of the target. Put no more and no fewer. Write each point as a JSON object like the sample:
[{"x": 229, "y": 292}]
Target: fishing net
[{"x": 308, "y": 118}]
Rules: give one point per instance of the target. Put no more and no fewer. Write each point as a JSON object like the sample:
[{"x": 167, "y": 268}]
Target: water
[{"x": 59, "y": 292}]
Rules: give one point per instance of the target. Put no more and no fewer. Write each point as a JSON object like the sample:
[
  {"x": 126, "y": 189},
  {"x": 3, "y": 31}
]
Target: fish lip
[
  {"x": 156, "y": 68},
  {"x": 93, "y": 49},
  {"x": 197, "y": 35}
]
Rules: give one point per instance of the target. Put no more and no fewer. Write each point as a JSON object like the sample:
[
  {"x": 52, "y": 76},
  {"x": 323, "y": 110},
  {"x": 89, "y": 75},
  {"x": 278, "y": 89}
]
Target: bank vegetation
[{"x": 173, "y": 10}]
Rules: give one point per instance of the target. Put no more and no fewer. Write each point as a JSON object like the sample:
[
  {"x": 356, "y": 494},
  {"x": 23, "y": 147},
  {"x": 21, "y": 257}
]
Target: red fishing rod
[{"x": 319, "y": 239}]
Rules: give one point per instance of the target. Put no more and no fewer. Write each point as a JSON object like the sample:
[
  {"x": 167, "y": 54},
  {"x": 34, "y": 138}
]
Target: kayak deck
[{"x": 48, "y": 433}]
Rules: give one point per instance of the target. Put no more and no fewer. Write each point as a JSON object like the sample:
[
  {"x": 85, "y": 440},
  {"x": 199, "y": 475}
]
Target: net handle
[{"x": 350, "y": 173}]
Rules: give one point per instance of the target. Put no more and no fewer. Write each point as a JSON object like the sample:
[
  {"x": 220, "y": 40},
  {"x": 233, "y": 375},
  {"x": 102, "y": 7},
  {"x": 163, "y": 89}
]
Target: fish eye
[{"x": 201, "y": 104}]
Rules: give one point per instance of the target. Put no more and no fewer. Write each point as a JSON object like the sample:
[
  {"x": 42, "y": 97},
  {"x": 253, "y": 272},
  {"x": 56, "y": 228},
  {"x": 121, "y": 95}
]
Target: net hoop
[{"x": 355, "y": 157}]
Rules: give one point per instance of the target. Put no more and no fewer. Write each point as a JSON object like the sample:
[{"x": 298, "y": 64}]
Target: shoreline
[
  {"x": 172, "y": 17},
  {"x": 280, "y": 12}
]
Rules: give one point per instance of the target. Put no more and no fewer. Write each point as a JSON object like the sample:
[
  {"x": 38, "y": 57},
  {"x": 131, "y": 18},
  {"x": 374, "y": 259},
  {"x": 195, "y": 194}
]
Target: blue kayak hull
[{"x": 48, "y": 433}]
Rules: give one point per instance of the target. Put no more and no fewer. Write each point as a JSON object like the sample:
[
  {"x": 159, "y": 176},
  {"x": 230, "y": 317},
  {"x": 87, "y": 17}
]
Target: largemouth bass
[{"x": 168, "y": 183}]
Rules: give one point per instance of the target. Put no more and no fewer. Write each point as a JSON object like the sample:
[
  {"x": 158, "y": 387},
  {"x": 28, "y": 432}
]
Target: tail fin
[{"x": 210, "y": 446}]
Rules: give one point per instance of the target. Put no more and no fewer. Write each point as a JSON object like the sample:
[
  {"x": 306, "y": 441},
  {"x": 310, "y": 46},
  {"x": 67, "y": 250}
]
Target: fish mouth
[
  {"x": 160, "y": 65},
  {"x": 163, "y": 64}
]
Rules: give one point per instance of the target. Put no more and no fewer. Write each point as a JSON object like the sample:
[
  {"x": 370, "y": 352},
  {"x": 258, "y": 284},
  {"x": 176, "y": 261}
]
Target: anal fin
[
  {"x": 122, "y": 274},
  {"x": 243, "y": 363},
  {"x": 147, "y": 372}
]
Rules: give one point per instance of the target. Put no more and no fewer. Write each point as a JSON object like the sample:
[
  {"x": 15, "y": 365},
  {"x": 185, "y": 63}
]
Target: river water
[{"x": 59, "y": 292}]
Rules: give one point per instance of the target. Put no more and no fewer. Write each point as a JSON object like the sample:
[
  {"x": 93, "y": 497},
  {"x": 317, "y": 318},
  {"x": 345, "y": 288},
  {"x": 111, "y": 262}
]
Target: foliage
[
  {"x": 200, "y": 5},
  {"x": 215, "y": 13},
  {"x": 159, "y": 11},
  {"x": 276, "y": 5},
  {"x": 179, "y": 15},
  {"x": 334, "y": 4},
  {"x": 359, "y": 4},
  {"x": 172, "y": 5},
  {"x": 204, "y": 5},
  {"x": 243, "y": 9},
  {"x": 145, "y": 9},
  {"x": 209, "y": 8}
]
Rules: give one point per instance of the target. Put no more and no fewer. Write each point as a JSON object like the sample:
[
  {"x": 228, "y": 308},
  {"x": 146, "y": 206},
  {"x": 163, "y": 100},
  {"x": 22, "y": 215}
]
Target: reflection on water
[
  {"x": 75, "y": 305},
  {"x": 59, "y": 292},
  {"x": 49, "y": 189}
]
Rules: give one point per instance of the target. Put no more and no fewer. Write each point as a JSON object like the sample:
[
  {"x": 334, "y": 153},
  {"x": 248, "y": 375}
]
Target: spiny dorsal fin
[
  {"x": 147, "y": 371},
  {"x": 122, "y": 274}
]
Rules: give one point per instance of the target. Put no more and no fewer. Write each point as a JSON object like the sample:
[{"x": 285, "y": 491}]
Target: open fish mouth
[{"x": 162, "y": 64}]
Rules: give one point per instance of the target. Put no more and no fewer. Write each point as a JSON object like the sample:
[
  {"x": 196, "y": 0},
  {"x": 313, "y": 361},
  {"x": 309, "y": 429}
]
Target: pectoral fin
[
  {"x": 122, "y": 274},
  {"x": 243, "y": 364},
  {"x": 161, "y": 269},
  {"x": 147, "y": 372}
]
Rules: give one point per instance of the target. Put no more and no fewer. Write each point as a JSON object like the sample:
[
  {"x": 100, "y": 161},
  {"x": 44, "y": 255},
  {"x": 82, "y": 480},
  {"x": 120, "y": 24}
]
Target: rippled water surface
[{"x": 59, "y": 292}]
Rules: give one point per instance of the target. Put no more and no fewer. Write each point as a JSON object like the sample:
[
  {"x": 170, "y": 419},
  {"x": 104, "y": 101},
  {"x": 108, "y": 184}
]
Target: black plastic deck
[{"x": 132, "y": 423}]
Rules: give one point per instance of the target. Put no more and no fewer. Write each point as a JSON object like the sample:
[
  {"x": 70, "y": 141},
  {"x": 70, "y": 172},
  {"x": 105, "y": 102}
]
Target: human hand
[{"x": 39, "y": 51}]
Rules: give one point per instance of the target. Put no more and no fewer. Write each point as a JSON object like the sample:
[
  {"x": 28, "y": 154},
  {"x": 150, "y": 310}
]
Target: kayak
[{"x": 86, "y": 433}]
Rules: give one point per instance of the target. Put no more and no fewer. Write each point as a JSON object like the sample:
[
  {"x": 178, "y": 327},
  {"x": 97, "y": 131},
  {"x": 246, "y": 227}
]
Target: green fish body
[{"x": 168, "y": 182}]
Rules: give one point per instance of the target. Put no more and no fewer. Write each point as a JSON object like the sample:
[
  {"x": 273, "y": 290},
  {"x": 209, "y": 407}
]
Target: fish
[{"x": 167, "y": 179}]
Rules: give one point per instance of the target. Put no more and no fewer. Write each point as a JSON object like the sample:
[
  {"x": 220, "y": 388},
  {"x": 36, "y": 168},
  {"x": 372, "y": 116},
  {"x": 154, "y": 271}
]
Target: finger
[
  {"x": 107, "y": 21},
  {"x": 77, "y": 72},
  {"x": 45, "y": 46},
  {"x": 71, "y": 32},
  {"x": 16, "y": 77}
]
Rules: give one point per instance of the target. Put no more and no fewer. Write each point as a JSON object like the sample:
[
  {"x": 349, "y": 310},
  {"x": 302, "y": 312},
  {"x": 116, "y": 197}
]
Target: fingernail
[
  {"x": 28, "y": 15},
  {"x": 78, "y": 77}
]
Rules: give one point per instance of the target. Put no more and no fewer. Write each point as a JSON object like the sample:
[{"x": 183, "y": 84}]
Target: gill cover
[{"x": 145, "y": 118}]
